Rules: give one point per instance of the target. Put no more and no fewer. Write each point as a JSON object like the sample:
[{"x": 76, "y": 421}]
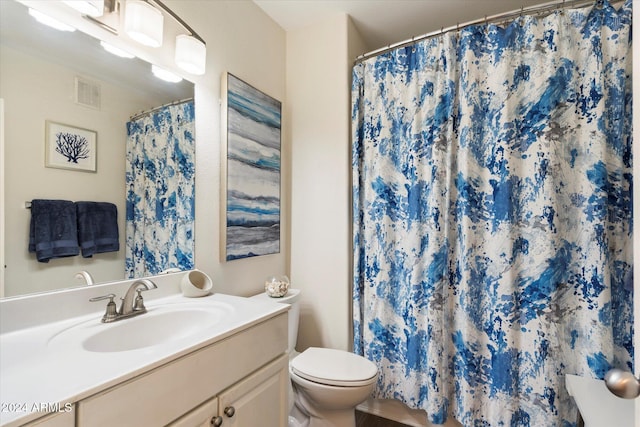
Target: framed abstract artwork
[
  {"x": 70, "y": 147},
  {"x": 250, "y": 172}
]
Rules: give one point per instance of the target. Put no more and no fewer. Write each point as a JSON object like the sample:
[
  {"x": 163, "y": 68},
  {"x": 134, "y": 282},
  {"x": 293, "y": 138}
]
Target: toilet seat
[{"x": 334, "y": 367}]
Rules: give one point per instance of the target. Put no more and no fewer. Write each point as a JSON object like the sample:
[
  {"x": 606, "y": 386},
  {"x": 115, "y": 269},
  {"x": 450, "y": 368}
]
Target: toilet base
[
  {"x": 344, "y": 418},
  {"x": 331, "y": 418}
]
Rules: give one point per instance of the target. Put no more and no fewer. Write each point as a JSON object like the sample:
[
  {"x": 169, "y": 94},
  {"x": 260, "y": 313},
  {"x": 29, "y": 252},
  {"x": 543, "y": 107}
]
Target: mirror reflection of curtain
[{"x": 160, "y": 184}]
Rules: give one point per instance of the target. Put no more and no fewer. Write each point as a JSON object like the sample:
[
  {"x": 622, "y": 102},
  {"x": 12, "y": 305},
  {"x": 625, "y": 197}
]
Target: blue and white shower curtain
[
  {"x": 492, "y": 215},
  {"x": 160, "y": 179}
]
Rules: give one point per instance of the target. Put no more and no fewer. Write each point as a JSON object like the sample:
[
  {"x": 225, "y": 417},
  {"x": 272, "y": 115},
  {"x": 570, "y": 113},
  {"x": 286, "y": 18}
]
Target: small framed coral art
[{"x": 70, "y": 147}]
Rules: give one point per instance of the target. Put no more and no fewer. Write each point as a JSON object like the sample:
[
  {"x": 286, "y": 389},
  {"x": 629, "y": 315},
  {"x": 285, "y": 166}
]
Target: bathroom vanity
[{"x": 219, "y": 360}]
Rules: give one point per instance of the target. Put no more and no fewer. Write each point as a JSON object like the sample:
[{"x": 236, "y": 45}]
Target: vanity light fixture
[
  {"x": 143, "y": 23},
  {"x": 93, "y": 8},
  {"x": 165, "y": 75},
  {"x": 49, "y": 21},
  {"x": 116, "y": 50},
  {"x": 190, "y": 48}
]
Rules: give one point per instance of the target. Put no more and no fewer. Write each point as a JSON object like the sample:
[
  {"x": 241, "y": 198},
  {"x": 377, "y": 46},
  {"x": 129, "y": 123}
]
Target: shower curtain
[
  {"x": 492, "y": 215},
  {"x": 160, "y": 175}
]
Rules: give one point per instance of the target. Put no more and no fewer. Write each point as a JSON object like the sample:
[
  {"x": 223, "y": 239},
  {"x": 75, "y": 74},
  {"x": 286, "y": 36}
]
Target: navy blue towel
[
  {"x": 53, "y": 232},
  {"x": 97, "y": 227}
]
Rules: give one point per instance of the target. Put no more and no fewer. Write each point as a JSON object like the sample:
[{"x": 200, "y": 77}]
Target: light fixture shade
[
  {"x": 92, "y": 8},
  {"x": 143, "y": 23},
  {"x": 165, "y": 75},
  {"x": 191, "y": 54},
  {"x": 49, "y": 21}
]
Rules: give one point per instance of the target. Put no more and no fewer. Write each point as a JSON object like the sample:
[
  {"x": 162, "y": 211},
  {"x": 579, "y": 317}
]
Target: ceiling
[{"x": 384, "y": 22}]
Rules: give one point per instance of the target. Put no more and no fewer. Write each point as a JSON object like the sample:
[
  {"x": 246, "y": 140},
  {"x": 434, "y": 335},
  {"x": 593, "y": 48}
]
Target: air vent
[{"x": 88, "y": 93}]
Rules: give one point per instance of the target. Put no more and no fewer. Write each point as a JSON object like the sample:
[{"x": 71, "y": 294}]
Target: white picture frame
[{"x": 70, "y": 147}]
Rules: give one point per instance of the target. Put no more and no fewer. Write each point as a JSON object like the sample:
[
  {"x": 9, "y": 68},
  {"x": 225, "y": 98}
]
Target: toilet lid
[{"x": 334, "y": 367}]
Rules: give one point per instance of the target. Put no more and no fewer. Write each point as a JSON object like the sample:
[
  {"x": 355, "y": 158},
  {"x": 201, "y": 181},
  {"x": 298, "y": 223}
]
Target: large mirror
[{"x": 42, "y": 73}]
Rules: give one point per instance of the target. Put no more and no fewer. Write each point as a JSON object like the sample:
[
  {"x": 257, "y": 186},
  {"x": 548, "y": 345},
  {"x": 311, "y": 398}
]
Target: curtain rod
[
  {"x": 541, "y": 8},
  {"x": 168, "y": 104}
]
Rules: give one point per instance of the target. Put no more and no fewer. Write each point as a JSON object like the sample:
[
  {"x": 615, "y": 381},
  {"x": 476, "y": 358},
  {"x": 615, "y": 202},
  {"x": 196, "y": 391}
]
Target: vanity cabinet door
[
  {"x": 258, "y": 400},
  {"x": 62, "y": 419},
  {"x": 203, "y": 416}
]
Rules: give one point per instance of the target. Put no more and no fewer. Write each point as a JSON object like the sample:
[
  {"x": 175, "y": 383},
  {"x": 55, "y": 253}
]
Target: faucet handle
[
  {"x": 111, "y": 312},
  {"x": 139, "y": 302},
  {"x": 100, "y": 298}
]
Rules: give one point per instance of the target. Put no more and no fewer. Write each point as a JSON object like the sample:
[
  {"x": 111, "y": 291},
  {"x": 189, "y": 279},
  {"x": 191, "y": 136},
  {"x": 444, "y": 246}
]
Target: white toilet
[{"x": 327, "y": 384}]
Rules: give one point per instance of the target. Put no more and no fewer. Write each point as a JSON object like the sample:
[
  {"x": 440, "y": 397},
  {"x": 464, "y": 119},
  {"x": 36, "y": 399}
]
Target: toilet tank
[{"x": 292, "y": 297}]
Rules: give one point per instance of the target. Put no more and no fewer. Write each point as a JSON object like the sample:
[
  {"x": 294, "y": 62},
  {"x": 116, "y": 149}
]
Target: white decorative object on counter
[
  {"x": 277, "y": 287},
  {"x": 196, "y": 284}
]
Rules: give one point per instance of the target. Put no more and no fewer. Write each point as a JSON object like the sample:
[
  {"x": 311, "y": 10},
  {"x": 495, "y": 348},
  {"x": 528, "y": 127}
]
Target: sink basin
[
  {"x": 148, "y": 330},
  {"x": 156, "y": 327}
]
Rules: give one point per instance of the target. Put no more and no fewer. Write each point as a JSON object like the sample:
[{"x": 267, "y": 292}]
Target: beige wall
[
  {"x": 318, "y": 92},
  {"x": 244, "y": 41}
]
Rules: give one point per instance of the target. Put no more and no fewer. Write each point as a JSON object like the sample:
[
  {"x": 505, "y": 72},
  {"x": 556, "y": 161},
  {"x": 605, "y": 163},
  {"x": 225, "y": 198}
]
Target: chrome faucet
[{"x": 129, "y": 307}]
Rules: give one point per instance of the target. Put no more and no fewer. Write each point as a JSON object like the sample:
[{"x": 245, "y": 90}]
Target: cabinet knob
[
  {"x": 216, "y": 421},
  {"x": 229, "y": 411}
]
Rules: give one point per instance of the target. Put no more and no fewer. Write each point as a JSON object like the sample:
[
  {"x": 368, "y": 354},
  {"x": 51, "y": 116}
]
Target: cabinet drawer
[{"x": 169, "y": 391}]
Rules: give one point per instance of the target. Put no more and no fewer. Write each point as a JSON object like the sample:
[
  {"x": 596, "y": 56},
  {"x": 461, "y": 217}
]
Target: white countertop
[{"x": 36, "y": 371}]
